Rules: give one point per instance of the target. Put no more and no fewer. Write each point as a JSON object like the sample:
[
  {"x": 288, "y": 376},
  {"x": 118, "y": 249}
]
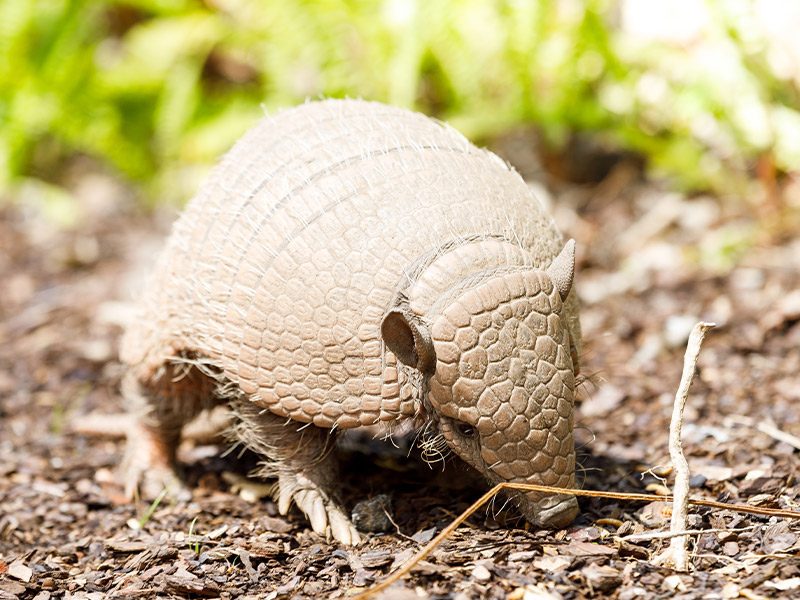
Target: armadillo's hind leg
[
  {"x": 302, "y": 459},
  {"x": 161, "y": 407}
]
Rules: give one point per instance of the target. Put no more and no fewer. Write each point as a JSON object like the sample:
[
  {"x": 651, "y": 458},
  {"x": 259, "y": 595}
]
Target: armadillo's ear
[
  {"x": 408, "y": 338},
  {"x": 562, "y": 270}
]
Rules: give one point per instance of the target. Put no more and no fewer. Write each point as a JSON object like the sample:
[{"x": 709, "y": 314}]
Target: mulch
[{"x": 651, "y": 263}]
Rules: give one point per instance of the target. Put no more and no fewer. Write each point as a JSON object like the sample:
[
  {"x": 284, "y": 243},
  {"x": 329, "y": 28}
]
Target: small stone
[
  {"x": 730, "y": 548},
  {"x": 697, "y": 481},
  {"x": 373, "y": 514},
  {"x": 48, "y": 583},
  {"x": 481, "y": 573},
  {"x": 674, "y": 583},
  {"x": 730, "y": 590}
]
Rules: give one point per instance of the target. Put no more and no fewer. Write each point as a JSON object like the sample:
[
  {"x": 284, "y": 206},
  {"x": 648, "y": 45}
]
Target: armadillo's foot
[
  {"x": 324, "y": 513},
  {"x": 148, "y": 469},
  {"x": 301, "y": 457}
]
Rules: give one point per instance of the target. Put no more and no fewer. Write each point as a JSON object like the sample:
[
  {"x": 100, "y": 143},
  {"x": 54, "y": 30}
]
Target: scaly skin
[
  {"x": 504, "y": 384},
  {"x": 311, "y": 277}
]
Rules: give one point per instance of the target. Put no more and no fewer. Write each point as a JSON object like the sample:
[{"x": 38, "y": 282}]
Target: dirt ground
[{"x": 651, "y": 263}]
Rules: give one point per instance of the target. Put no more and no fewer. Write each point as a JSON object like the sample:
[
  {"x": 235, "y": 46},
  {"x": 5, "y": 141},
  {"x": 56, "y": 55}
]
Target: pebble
[
  {"x": 481, "y": 573},
  {"x": 373, "y": 514}
]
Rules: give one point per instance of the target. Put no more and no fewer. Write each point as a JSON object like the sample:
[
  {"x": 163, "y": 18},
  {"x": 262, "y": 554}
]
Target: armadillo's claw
[
  {"x": 317, "y": 513},
  {"x": 284, "y": 497},
  {"x": 311, "y": 503},
  {"x": 341, "y": 527},
  {"x": 325, "y": 515}
]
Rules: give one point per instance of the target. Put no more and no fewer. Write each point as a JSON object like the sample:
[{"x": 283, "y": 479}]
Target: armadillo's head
[{"x": 502, "y": 381}]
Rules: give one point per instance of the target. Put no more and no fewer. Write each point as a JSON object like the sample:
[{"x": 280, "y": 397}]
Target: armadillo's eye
[{"x": 465, "y": 429}]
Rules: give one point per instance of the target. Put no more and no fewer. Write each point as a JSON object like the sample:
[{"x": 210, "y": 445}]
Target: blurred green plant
[{"x": 159, "y": 88}]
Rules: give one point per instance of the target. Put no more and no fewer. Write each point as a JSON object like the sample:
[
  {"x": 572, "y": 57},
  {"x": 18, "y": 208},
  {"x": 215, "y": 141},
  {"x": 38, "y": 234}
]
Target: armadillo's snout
[{"x": 552, "y": 512}]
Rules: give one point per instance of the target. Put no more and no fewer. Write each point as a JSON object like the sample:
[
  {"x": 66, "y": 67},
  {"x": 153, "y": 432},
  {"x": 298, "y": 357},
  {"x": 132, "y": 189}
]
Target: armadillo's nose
[{"x": 552, "y": 512}]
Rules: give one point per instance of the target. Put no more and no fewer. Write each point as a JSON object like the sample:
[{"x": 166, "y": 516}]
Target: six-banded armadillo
[{"x": 350, "y": 263}]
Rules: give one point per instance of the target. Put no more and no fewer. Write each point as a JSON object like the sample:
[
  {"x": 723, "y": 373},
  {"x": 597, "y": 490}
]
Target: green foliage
[
  {"x": 151, "y": 509},
  {"x": 159, "y": 88},
  {"x": 193, "y": 540}
]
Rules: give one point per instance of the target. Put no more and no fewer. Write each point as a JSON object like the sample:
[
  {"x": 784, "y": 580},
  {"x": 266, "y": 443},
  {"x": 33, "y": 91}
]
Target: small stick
[
  {"x": 664, "y": 535},
  {"x": 777, "y": 434},
  {"x": 766, "y": 427},
  {"x": 676, "y": 553}
]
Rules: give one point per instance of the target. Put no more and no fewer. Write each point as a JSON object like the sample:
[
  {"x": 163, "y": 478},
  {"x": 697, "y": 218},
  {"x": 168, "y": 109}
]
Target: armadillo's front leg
[{"x": 302, "y": 459}]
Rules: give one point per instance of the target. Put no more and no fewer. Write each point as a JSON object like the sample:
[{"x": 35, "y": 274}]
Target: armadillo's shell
[{"x": 282, "y": 267}]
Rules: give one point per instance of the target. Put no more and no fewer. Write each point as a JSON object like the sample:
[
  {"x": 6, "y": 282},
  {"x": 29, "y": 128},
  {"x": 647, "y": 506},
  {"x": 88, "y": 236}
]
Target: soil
[{"x": 651, "y": 263}]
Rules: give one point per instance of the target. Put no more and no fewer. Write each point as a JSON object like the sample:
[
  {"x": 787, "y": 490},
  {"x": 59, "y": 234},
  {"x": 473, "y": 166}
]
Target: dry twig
[
  {"x": 766, "y": 427},
  {"x": 776, "y": 434},
  {"x": 665, "y": 535},
  {"x": 676, "y": 553}
]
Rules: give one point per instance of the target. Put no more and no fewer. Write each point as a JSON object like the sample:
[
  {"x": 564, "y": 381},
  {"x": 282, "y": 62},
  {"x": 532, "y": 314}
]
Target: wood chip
[
  {"x": 184, "y": 582},
  {"x": 586, "y": 549},
  {"x": 377, "y": 558},
  {"x": 552, "y": 564},
  {"x": 19, "y": 571},
  {"x": 126, "y": 547},
  {"x": 602, "y": 577},
  {"x": 11, "y": 589},
  {"x": 424, "y": 536}
]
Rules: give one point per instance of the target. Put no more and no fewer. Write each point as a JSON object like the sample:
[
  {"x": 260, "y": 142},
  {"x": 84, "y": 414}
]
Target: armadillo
[{"x": 349, "y": 264}]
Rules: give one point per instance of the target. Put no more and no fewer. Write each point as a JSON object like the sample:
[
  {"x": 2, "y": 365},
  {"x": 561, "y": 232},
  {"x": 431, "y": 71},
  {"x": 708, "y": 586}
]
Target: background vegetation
[{"x": 158, "y": 89}]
